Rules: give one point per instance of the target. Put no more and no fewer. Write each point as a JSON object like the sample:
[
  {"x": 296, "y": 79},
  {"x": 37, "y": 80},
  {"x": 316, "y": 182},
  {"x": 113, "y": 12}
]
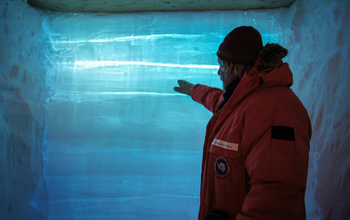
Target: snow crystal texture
[
  {"x": 318, "y": 37},
  {"x": 22, "y": 110}
]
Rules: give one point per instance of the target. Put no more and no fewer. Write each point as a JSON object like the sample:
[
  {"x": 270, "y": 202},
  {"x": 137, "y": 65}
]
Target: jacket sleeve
[
  {"x": 209, "y": 97},
  {"x": 276, "y": 151}
]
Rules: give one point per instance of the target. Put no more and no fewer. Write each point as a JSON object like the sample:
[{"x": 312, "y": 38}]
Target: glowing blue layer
[{"x": 121, "y": 143}]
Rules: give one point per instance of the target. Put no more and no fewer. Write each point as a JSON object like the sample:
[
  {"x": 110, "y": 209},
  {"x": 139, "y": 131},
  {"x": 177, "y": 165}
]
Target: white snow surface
[
  {"x": 92, "y": 129},
  {"x": 317, "y": 35}
]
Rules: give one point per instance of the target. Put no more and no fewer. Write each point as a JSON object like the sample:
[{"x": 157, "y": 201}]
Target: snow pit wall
[
  {"x": 317, "y": 36},
  {"x": 22, "y": 110},
  {"x": 114, "y": 116}
]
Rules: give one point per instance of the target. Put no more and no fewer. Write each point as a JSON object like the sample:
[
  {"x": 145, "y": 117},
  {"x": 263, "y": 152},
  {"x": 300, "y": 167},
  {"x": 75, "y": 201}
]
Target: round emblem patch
[{"x": 222, "y": 167}]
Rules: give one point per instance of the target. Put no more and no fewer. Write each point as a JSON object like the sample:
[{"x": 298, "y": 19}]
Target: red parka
[{"x": 256, "y": 150}]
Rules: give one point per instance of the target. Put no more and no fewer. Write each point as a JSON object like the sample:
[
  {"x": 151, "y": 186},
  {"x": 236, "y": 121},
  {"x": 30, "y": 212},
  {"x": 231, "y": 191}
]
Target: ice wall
[
  {"x": 121, "y": 144},
  {"x": 317, "y": 35},
  {"x": 22, "y": 109}
]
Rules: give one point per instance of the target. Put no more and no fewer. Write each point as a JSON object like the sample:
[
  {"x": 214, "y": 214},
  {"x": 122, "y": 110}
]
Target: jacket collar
[
  {"x": 280, "y": 76},
  {"x": 255, "y": 80},
  {"x": 230, "y": 89}
]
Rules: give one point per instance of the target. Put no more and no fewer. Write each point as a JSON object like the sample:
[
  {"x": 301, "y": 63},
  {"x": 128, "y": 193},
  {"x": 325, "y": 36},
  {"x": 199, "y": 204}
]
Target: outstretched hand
[{"x": 184, "y": 87}]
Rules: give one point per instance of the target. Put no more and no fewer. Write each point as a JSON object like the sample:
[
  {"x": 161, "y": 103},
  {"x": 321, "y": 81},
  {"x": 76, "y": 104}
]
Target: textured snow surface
[
  {"x": 22, "y": 110},
  {"x": 92, "y": 129},
  {"x": 317, "y": 35}
]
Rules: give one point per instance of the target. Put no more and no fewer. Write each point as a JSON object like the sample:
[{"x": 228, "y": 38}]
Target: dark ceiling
[{"x": 120, "y": 6}]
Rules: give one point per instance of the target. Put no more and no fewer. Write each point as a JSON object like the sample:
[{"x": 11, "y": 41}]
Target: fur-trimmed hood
[
  {"x": 271, "y": 56},
  {"x": 268, "y": 71}
]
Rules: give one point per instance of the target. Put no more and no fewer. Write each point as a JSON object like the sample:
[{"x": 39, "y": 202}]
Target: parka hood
[
  {"x": 271, "y": 56},
  {"x": 268, "y": 71}
]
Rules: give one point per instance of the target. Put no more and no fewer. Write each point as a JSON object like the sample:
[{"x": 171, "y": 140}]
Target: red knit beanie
[{"x": 241, "y": 46}]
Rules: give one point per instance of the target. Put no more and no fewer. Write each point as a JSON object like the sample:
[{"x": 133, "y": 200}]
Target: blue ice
[
  {"x": 90, "y": 127},
  {"x": 120, "y": 142}
]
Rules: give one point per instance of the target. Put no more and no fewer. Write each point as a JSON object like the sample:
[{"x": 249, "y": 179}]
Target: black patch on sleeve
[{"x": 282, "y": 133}]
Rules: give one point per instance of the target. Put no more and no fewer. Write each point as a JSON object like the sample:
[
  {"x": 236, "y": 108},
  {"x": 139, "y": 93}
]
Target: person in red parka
[{"x": 256, "y": 149}]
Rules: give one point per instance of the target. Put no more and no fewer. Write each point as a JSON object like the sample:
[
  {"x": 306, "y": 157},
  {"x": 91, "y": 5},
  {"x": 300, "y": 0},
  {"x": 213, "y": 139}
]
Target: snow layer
[
  {"x": 317, "y": 35},
  {"x": 22, "y": 109},
  {"x": 119, "y": 143}
]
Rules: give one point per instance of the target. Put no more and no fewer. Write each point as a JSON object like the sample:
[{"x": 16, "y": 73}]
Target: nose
[{"x": 219, "y": 72}]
